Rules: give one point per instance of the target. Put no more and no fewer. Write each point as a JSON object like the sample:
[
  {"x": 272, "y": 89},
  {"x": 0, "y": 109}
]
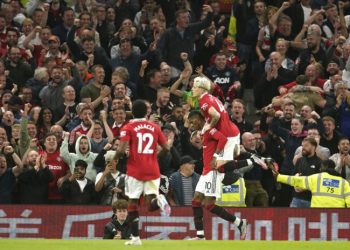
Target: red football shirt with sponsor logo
[
  {"x": 58, "y": 169},
  {"x": 224, "y": 125},
  {"x": 143, "y": 137},
  {"x": 212, "y": 140}
]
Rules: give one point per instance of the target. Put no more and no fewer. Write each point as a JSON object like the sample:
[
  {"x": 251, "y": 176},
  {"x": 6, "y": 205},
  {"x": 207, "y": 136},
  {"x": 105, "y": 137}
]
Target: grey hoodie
[{"x": 71, "y": 158}]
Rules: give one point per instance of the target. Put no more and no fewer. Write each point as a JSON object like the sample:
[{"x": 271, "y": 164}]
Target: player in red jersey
[
  {"x": 143, "y": 174},
  {"x": 216, "y": 116},
  {"x": 209, "y": 184}
]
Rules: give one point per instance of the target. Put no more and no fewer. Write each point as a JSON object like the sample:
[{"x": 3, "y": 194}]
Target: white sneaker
[
  {"x": 243, "y": 229},
  {"x": 196, "y": 238},
  {"x": 259, "y": 161},
  {"x": 164, "y": 206},
  {"x": 135, "y": 241}
]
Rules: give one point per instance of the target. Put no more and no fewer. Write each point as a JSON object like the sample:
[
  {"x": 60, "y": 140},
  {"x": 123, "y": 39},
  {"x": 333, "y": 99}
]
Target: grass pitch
[{"x": 14, "y": 244}]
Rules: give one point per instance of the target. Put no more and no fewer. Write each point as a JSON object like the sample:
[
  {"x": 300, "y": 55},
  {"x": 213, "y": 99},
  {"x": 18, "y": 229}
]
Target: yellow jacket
[
  {"x": 233, "y": 195},
  {"x": 327, "y": 190}
]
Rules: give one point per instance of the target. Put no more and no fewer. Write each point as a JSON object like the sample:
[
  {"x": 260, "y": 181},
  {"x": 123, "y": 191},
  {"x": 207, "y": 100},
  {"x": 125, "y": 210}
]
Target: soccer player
[
  {"x": 209, "y": 184},
  {"x": 216, "y": 116},
  {"x": 143, "y": 174}
]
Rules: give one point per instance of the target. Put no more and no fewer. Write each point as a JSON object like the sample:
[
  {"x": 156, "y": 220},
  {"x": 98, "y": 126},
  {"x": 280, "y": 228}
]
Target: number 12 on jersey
[{"x": 144, "y": 143}]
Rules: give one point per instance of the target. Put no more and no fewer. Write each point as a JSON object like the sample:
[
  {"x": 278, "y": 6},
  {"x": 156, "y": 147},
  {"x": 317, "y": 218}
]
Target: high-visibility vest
[
  {"x": 233, "y": 195},
  {"x": 327, "y": 190}
]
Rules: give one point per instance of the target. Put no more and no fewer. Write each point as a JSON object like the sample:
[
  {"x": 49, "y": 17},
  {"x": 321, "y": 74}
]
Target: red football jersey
[
  {"x": 58, "y": 169},
  {"x": 143, "y": 137},
  {"x": 212, "y": 140},
  {"x": 224, "y": 125}
]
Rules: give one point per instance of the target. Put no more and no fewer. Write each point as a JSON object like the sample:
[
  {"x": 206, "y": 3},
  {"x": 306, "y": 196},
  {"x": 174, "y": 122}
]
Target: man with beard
[
  {"x": 314, "y": 51},
  {"x": 95, "y": 92},
  {"x": 322, "y": 152},
  {"x": 275, "y": 77},
  {"x": 20, "y": 71},
  {"x": 330, "y": 137},
  {"x": 12, "y": 35},
  {"x": 342, "y": 158},
  {"x": 34, "y": 179},
  {"x": 62, "y": 29},
  {"x": 163, "y": 106},
  {"x": 237, "y": 116},
  {"x": 78, "y": 189},
  {"x": 308, "y": 164},
  {"x": 52, "y": 95},
  {"x": 333, "y": 67},
  {"x": 83, "y": 128}
]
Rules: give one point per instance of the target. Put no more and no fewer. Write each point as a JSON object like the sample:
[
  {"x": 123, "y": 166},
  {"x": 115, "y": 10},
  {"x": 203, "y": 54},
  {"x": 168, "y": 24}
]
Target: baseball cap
[
  {"x": 334, "y": 60},
  {"x": 187, "y": 159}
]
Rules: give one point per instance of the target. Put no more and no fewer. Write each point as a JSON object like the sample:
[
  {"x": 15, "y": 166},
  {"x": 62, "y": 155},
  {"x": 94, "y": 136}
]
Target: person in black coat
[
  {"x": 118, "y": 228},
  {"x": 33, "y": 181},
  {"x": 77, "y": 189},
  {"x": 89, "y": 52}
]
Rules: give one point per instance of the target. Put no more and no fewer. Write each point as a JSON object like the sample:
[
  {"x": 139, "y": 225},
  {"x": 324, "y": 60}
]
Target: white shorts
[
  {"x": 210, "y": 184},
  {"x": 231, "y": 148},
  {"x": 134, "y": 188}
]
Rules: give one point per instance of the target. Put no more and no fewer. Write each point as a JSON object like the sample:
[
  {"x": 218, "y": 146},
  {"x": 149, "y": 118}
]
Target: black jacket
[
  {"x": 33, "y": 185},
  {"x": 72, "y": 194},
  {"x": 112, "y": 228},
  {"x": 307, "y": 166}
]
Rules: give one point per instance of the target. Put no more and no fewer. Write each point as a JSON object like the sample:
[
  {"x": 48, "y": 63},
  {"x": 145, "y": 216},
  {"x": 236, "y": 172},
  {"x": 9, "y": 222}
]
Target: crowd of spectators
[{"x": 70, "y": 70}]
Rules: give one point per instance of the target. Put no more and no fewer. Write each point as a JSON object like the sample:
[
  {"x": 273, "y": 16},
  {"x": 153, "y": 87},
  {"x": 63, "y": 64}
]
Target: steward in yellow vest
[
  {"x": 233, "y": 195},
  {"x": 328, "y": 188}
]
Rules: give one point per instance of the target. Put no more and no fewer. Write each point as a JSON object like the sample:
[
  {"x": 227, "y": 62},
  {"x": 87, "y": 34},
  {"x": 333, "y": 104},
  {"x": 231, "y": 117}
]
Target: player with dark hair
[
  {"x": 209, "y": 184},
  {"x": 143, "y": 174}
]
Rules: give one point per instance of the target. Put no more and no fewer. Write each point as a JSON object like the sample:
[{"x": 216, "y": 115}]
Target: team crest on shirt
[
  {"x": 205, "y": 106},
  {"x": 212, "y": 131},
  {"x": 122, "y": 133},
  {"x": 59, "y": 159}
]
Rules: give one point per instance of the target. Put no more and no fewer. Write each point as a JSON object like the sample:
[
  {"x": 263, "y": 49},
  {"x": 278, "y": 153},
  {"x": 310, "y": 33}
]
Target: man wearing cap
[
  {"x": 183, "y": 183},
  {"x": 52, "y": 51},
  {"x": 77, "y": 189}
]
